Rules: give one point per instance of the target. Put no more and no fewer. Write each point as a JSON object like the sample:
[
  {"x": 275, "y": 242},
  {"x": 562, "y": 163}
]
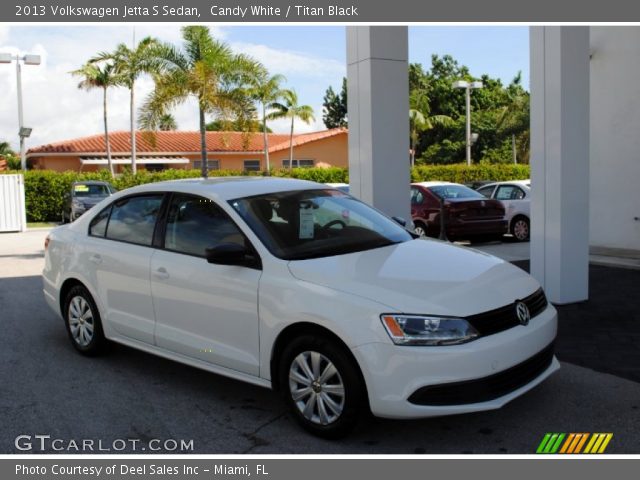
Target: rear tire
[
  {"x": 322, "y": 386},
  {"x": 83, "y": 323},
  {"x": 520, "y": 229}
]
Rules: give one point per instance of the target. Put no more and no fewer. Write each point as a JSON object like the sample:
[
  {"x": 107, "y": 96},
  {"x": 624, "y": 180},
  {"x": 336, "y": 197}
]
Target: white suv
[{"x": 300, "y": 287}]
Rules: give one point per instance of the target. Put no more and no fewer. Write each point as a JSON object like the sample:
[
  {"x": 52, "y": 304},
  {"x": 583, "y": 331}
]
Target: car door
[
  {"x": 514, "y": 199},
  {"x": 117, "y": 254},
  {"x": 204, "y": 311}
]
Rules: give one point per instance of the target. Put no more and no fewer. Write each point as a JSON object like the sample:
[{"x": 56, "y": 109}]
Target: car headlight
[
  {"x": 428, "y": 329},
  {"x": 77, "y": 205}
]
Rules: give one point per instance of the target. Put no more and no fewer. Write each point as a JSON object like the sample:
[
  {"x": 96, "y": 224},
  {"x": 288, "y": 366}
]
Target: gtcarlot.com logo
[
  {"x": 45, "y": 443},
  {"x": 573, "y": 443}
]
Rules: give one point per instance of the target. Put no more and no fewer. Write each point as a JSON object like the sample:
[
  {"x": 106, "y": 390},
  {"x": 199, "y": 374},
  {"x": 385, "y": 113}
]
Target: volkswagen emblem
[{"x": 522, "y": 312}]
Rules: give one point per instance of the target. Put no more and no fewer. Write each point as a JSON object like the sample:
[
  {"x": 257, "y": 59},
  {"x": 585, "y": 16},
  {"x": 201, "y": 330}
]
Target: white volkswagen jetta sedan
[{"x": 299, "y": 287}]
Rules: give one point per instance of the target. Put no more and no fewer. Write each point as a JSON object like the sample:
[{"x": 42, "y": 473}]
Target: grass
[{"x": 42, "y": 224}]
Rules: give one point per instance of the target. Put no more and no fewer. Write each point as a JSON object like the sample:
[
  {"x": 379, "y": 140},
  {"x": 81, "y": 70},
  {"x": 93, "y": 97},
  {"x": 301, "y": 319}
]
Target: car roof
[
  {"x": 526, "y": 183},
  {"x": 91, "y": 182},
  {"x": 433, "y": 183},
  {"x": 227, "y": 188}
]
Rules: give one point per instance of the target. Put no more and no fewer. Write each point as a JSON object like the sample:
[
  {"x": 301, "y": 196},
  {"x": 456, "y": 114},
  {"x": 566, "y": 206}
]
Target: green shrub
[
  {"x": 465, "y": 174},
  {"x": 44, "y": 189}
]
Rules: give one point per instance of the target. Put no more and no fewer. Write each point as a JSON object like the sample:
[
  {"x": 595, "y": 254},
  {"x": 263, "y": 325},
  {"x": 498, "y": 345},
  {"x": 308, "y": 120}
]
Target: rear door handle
[
  {"x": 95, "y": 258},
  {"x": 161, "y": 273}
]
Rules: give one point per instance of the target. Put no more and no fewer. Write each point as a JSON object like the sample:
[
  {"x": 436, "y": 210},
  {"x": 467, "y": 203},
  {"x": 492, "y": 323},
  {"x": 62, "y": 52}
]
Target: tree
[
  {"x": 5, "y": 149},
  {"x": 167, "y": 123},
  {"x": 101, "y": 76},
  {"x": 203, "y": 68},
  {"x": 334, "y": 107},
  {"x": 220, "y": 125},
  {"x": 266, "y": 90},
  {"x": 128, "y": 65},
  {"x": 290, "y": 108}
]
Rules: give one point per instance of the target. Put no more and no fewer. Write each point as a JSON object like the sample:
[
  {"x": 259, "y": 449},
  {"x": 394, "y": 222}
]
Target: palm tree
[
  {"x": 291, "y": 109},
  {"x": 513, "y": 118},
  {"x": 420, "y": 120},
  {"x": 129, "y": 64},
  {"x": 167, "y": 123},
  {"x": 102, "y": 76},
  {"x": 205, "y": 69},
  {"x": 5, "y": 149},
  {"x": 266, "y": 90}
]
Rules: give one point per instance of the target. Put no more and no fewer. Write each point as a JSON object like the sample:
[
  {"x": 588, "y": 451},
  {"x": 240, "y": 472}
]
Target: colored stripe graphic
[{"x": 573, "y": 443}]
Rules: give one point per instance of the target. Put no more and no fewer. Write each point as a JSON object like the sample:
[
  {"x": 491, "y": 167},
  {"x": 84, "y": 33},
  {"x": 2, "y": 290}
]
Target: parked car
[
  {"x": 298, "y": 287},
  {"x": 83, "y": 196},
  {"x": 516, "y": 198},
  {"x": 343, "y": 187},
  {"x": 468, "y": 214}
]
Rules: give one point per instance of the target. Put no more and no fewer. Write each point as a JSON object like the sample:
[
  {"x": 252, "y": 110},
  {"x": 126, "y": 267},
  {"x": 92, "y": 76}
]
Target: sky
[{"x": 310, "y": 57}]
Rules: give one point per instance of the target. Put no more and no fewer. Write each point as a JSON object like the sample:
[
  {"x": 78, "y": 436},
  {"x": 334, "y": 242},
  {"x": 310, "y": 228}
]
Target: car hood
[{"x": 421, "y": 276}]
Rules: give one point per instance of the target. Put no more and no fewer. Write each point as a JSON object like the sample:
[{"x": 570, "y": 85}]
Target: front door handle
[
  {"x": 95, "y": 258},
  {"x": 161, "y": 273}
]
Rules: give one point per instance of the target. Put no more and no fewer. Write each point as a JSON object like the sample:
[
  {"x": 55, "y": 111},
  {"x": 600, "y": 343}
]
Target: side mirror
[
  {"x": 229, "y": 254},
  {"x": 400, "y": 221}
]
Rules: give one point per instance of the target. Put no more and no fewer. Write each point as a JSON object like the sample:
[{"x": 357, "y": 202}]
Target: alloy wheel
[
  {"x": 316, "y": 388},
  {"x": 81, "y": 322}
]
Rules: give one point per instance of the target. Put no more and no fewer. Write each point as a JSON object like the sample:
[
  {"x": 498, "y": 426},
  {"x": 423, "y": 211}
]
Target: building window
[
  {"x": 155, "y": 167},
  {"x": 298, "y": 163},
  {"x": 211, "y": 164},
  {"x": 252, "y": 165}
]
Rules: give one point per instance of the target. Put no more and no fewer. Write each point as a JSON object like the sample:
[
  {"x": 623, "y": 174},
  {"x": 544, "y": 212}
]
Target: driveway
[{"x": 47, "y": 388}]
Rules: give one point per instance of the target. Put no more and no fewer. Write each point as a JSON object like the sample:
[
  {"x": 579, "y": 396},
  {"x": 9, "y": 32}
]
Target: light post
[
  {"x": 468, "y": 86},
  {"x": 23, "y": 132}
]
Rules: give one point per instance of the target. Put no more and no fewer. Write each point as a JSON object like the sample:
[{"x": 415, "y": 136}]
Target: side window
[
  {"x": 486, "y": 191},
  {"x": 196, "y": 223},
  {"x": 509, "y": 192},
  {"x": 416, "y": 197},
  {"x": 133, "y": 219},
  {"x": 98, "y": 226}
]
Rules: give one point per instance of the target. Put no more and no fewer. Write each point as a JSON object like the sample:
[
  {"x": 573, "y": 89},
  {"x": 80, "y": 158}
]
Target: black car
[{"x": 83, "y": 196}]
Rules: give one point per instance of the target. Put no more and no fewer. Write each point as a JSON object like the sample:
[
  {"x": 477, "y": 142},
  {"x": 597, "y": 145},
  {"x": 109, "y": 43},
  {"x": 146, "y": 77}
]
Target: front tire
[
  {"x": 420, "y": 228},
  {"x": 322, "y": 386},
  {"x": 82, "y": 321}
]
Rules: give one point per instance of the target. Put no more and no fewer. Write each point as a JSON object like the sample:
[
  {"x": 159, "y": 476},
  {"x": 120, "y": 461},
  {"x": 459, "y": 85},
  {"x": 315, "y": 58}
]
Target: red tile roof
[{"x": 180, "y": 142}]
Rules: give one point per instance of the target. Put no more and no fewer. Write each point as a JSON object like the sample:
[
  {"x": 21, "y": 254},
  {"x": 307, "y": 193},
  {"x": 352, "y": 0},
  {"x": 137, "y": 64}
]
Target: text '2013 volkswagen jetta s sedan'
[{"x": 293, "y": 285}]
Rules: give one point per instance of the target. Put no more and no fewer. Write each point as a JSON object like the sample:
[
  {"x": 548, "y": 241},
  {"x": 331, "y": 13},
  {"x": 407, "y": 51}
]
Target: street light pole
[
  {"x": 23, "y": 131},
  {"x": 23, "y": 153},
  {"x": 468, "y": 122},
  {"x": 468, "y": 86}
]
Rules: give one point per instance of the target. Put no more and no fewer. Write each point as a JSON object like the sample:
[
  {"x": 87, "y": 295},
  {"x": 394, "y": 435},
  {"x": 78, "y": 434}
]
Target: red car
[{"x": 468, "y": 214}]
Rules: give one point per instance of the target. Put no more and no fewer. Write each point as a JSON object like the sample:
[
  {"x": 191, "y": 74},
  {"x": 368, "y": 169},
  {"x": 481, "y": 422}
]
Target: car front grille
[
  {"x": 487, "y": 388},
  {"x": 503, "y": 318}
]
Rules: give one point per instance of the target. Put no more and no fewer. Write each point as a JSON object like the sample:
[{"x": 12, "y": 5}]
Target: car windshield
[
  {"x": 454, "y": 191},
  {"x": 91, "y": 190},
  {"x": 307, "y": 224}
]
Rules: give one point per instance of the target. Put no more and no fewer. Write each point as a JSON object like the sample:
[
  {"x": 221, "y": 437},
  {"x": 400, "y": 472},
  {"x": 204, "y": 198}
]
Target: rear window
[{"x": 454, "y": 191}]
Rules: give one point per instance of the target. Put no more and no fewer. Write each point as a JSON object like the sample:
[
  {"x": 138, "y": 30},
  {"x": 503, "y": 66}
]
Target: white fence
[{"x": 13, "y": 215}]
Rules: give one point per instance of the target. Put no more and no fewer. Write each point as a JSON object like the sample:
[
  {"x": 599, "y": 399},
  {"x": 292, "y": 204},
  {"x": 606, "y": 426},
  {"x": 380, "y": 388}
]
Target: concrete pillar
[
  {"x": 378, "y": 106},
  {"x": 560, "y": 161}
]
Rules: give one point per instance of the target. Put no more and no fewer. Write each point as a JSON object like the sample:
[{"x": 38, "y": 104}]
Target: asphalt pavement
[{"x": 46, "y": 388}]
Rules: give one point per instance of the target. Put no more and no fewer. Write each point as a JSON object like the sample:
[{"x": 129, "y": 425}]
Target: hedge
[{"x": 44, "y": 189}]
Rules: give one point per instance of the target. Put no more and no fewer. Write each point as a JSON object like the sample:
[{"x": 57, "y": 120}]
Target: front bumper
[{"x": 394, "y": 373}]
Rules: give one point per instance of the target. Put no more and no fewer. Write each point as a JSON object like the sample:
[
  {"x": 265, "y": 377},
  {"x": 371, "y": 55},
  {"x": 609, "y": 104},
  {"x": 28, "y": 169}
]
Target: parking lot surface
[{"x": 47, "y": 388}]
